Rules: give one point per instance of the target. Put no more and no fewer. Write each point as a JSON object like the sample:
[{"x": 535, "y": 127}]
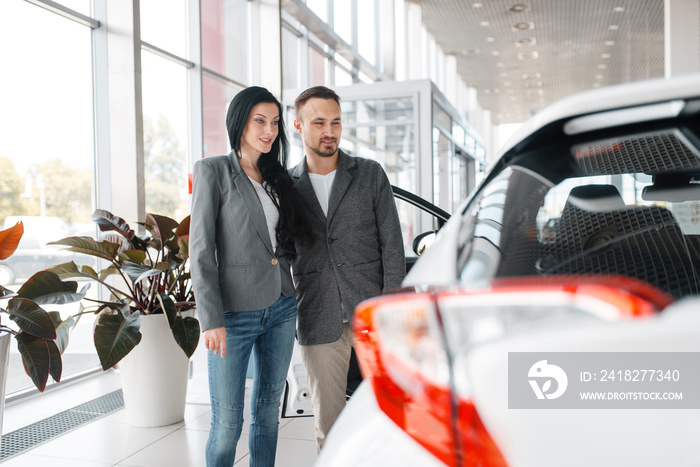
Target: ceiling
[{"x": 523, "y": 56}]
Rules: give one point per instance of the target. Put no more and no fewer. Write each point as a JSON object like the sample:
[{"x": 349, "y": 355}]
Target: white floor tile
[
  {"x": 299, "y": 428},
  {"x": 295, "y": 453},
  {"x": 182, "y": 448},
  {"x": 201, "y": 423}
]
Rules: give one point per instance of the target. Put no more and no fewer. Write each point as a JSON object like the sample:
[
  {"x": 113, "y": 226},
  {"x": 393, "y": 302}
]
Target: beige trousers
[{"x": 327, "y": 372}]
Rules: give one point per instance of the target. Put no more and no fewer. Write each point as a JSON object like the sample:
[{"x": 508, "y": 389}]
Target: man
[{"x": 357, "y": 252}]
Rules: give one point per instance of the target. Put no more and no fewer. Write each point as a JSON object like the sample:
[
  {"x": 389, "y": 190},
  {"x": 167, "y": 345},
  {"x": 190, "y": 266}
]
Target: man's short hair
[{"x": 320, "y": 92}]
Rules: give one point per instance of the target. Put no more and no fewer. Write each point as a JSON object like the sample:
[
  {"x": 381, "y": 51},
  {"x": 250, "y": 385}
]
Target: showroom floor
[{"x": 110, "y": 441}]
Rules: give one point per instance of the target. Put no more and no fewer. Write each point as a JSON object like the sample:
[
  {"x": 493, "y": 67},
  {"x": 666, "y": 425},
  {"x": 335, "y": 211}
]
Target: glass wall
[
  {"x": 47, "y": 156},
  {"x": 58, "y": 109},
  {"x": 165, "y": 136}
]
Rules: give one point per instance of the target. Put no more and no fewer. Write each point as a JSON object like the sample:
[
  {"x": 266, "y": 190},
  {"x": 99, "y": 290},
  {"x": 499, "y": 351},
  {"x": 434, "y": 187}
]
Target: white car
[{"x": 555, "y": 320}]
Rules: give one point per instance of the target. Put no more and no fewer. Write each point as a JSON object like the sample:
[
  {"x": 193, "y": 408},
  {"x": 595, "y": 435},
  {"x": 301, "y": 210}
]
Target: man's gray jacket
[{"x": 358, "y": 250}]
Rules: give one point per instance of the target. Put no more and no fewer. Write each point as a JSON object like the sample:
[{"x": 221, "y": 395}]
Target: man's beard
[{"x": 327, "y": 153}]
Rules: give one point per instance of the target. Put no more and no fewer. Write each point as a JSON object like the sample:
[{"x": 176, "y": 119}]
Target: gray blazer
[
  {"x": 357, "y": 252},
  {"x": 232, "y": 262}
]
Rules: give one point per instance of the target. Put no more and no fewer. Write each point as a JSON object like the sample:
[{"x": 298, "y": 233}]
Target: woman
[{"x": 246, "y": 216}]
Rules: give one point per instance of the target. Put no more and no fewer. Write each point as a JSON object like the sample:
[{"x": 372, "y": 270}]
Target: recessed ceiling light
[
  {"x": 470, "y": 52},
  {"x": 596, "y": 85},
  {"x": 619, "y": 9},
  {"x": 605, "y": 56},
  {"x": 602, "y": 67},
  {"x": 613, "y": 27},
  {"x": 487, "y": 91},
  {"x": 598, "y": 76},
  {"x": 535, "y": 75},
  {"x": 485, "y": 23},
  {"x": 533, "y": 84},
  {"x": 519, "y": 8},
  {"x": 504, "y": 75},
  {"x": 523, "y": 26},
  {"x": 528, "y": 41},
  {"x": 495, "y": 53},
  {"x": 506, "y": 83},
  {"x": 477, "y": 4},
  {"x": 500, "y": 64},
  {"x": 609, "y": 43},
  {"x": 528, "y": 55},
  {"x": 490, "y": 39}
]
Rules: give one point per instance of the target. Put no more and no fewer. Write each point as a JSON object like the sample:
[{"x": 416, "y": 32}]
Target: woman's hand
[{"x": 215, "y": 340}]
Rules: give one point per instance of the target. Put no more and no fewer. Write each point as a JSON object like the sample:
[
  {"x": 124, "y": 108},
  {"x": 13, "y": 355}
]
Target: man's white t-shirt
[{"x": 322, "y": 186}]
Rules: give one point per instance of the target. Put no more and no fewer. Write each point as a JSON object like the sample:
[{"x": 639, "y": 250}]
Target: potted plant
[
  {"x": 42, "y": 336},
  {"x": 150, "y": 296}
]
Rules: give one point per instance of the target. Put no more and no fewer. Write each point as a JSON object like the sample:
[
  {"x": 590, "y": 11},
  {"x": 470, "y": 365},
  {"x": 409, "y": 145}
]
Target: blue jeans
[{"x": 269, "y": 333}]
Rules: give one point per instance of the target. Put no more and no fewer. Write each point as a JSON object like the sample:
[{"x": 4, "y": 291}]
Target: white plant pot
[
  {"x": 5, "y": 340},
  {"x": 154, "y": 376}
]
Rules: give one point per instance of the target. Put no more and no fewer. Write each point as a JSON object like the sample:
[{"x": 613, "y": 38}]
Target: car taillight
[
  {"x": 400, "y": 347},
  {"x": 413, "y": 348}
]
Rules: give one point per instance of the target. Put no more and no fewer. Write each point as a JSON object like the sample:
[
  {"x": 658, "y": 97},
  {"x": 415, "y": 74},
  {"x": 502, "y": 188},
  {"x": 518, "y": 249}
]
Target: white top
[
  {"x": 272, "y": 215},
  {"x": 322, "y": 186}
]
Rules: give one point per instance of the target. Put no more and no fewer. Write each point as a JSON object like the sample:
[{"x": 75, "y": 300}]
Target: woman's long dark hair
[{"x": 292, "y": 224}]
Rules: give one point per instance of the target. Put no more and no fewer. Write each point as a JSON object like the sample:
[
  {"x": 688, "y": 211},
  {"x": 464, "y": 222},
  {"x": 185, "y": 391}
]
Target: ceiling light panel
[{"x": 570, "y": 38}]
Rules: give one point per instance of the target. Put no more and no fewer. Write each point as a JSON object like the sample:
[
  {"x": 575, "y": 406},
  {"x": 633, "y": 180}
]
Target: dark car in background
[{"x": 583, "y": 239}]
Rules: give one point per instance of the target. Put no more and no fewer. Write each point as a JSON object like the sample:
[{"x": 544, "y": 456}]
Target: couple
[{"x": 332, "y": 217}]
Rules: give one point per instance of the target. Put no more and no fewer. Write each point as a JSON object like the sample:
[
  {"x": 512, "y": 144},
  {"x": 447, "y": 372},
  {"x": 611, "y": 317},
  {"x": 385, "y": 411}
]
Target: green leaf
[
  {"x": 184, "y": 228},
  {"x": 138, "y": 272},
  {"x": 116, "y": 336},
  {"x": 89, "y": 246},
  {"x": 5, "y": 293},
  {"x": 63, "y": 328},
  {"x": 168, "y": 306},
  {"x": 160, "y": 227},
  {"x": 31, "y": 318},
  {"x": 106, "y": 221},
  {"x": 135, "y": 256},
  {"x": 110, "y": 271},
  {"x": 183, "y": 244},
  {"x": 70, "y": 269},
  {"x": 163, "y": 266},
  {"x": 186, "y": 332},
  {"x": 36, "y": 358},
  {"x": 45, "y": 287},
  {"x": 55, "y": 362}
]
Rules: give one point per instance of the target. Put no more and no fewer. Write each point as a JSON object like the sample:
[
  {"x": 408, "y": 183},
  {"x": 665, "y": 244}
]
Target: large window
[
  {"x": 165, "y": 136},
  {"x": 225, "y": 44},
  {"x": 47, "y": 156}
]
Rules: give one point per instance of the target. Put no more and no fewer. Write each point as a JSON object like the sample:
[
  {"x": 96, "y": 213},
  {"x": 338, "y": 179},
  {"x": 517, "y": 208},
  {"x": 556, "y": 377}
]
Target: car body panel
[
  {"x": 602, "y": 437},
  {"x": 544, "y": 210},
  {"x": 364, "y": 444}
]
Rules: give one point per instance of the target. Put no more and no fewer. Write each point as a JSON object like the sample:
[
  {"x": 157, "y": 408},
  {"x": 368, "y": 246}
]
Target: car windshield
[{"x": 626, "y": 206}]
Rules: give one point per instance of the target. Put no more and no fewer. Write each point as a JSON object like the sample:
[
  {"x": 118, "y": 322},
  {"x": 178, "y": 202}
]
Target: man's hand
[{"x": 215, "y": 340}]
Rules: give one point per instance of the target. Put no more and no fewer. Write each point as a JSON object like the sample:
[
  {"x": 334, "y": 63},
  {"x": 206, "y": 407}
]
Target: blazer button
[
  {"x": 330, "y": 266},
  {"x": 274, "y": 261},
  {"x": 330, "y": 240}
]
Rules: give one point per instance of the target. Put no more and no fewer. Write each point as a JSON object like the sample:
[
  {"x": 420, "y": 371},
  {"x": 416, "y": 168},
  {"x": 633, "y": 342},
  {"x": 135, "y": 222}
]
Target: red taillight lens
[
  {"x": 413, "y": 348},
  {"x": 399, "y": 345}
]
